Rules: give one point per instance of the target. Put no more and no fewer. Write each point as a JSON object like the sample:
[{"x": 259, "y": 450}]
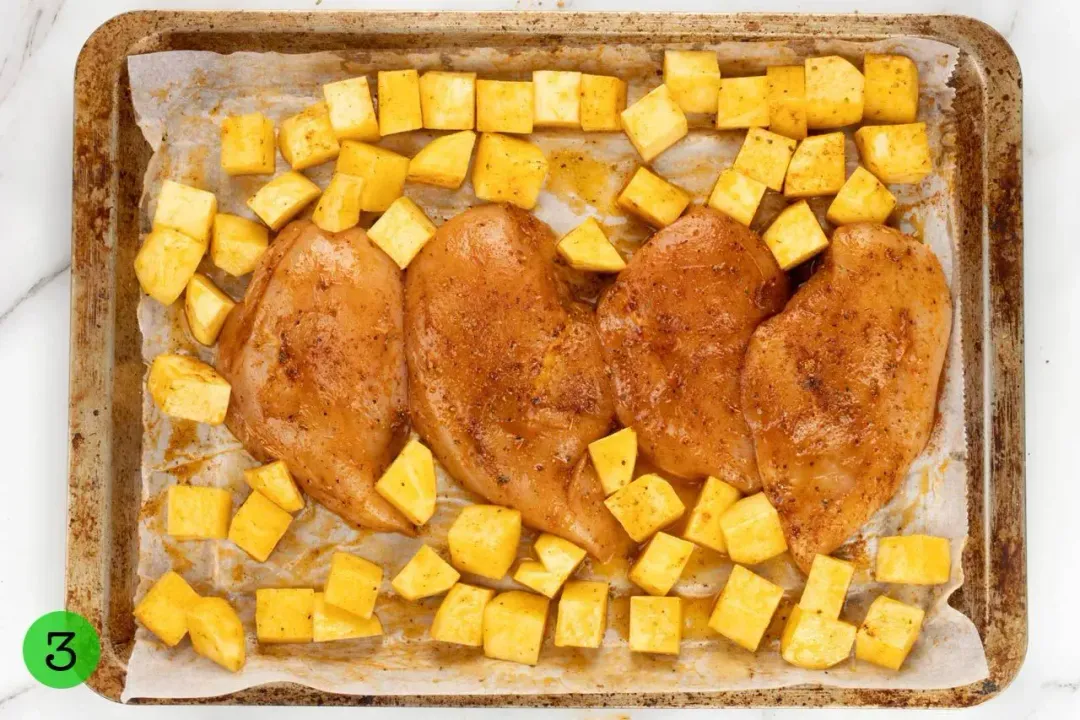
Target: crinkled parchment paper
[{"x": 180, "y": 99}]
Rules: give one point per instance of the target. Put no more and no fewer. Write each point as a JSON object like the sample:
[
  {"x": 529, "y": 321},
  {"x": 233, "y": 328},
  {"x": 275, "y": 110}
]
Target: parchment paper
[{"x": 180, "y": 99}]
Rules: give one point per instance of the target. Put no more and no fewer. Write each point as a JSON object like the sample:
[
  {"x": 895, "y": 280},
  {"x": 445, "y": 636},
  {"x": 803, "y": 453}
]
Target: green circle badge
[{"x": 61, "y": 649}]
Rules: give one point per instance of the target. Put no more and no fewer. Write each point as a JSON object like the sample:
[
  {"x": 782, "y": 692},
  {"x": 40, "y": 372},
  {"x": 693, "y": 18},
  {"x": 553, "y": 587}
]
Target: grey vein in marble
[
  {"x": 16, "y": 57},
  {"x": 34, "y": 290}
]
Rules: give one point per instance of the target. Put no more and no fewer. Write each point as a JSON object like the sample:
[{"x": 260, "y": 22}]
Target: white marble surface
[{"x": 39, "y": 41}]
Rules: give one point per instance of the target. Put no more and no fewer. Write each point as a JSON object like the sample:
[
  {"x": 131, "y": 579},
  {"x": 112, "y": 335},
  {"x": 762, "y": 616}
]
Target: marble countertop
[{"x": 39, "y": 41}]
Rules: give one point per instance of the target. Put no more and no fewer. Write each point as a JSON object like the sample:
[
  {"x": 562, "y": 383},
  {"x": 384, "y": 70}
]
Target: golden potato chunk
[
  {"x": 556, "y": 98},
  {"x": 614, "y": 457},
  {"x": 460, "y": 617},
  {"x": 409, "y": 483},
  {"x": 655, "y": 624},
  {"x": 703, "y": 527},
  {"x": 402, "y": 230},
  {"x": 582, "y": 615},
  {"x": 426, "y": 574},
  {"x": 247, "y": 144},
  {"x": 586, "y": 247},
  {"x": 198, "y": 513},
  {"x": 743, "y": 103},
  {"x": 384, "y": 173},
  {"x": 163, "y": 610},
  {"x": 165, "y": 263},
  {"x": 752, "y": 530},
  {"x": 603, "y": 98},
  {"x": 814, "y": 641},
  {"x": 186, "y": 210},
  {"x": 352, "y": 113},
  {"x": 276, "y": 482},
  {"x": 693, "y": 76},
  {"x": 653, "y": 199},
  {"x": 216, "y": 632},
  {"x": 533, "y": 575},
  {"x": 795, "y": 236},
  {"x": 888, "y": 633},
  {"x": 654, "y": 123},
  {"x": 444, "y": 162},
  {"x": 861, "y": 199},
  {"x": 737, "y": 195},
  {"x": 331, "y": 623},
  {"x": 189, "y": 389},
  {"x": 661, "y": 564},
  {"x": 896, "y": 154},
  {"x": 891, "y": 93},
  {"x": 817, "y": 167},
  {"x": 353, "y": 584},
  {"x": 339, "y": 207},
  {"x": 645, "y": 506},
  {"x": 284, "y": 615},
  {"x": 258, "y": 525},
  {"x": 399, "y": 101},
  {"x": 483, "y": 540},
  {"x": 280, "y": 200},
  {"x": 764, "y": 156},
  {"x": 827, "y": 586},
  {"x": 206, "y": 308},
  {"x": 834, "y": 93},
  {"x": 448, "y": 100},
  {"x": 237, "y": 243},
  {"x": 508, "y": 170},
  {"x": 504, "y": 107},
  {"x": 514, "y": 626},
  {"x": 558, "y": 556},
  {"x": 787, "y": 100},
  {"x": 745, "y": 608},
  {"x": 307, "y": 139},
  {"x": 913, "y": 560}
]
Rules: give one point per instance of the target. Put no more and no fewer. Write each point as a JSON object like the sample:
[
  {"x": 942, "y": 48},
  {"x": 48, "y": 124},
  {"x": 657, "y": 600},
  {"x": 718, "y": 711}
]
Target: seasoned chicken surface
[
  {"x": 840, "y": 388},
  {"x": 315, "y": 355},
  {"x": 507, "y": 383},
  {"x": 675, "y": 326}
]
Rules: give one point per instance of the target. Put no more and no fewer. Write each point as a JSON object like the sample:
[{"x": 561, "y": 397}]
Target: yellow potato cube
[
  {"x": 284, "y": 615},
  {"x": 787, "y": 100},
  {"x": 483, "y": 540},
  {"x": 896, "y": 154},
  {"x": 237, "y": 243},
  {"x": 655, "y": 624},
  {"x": 693, "y": 76},
  {"x": 402, "y": 230},
  {"x": 745, "y": 608},
  {"x": 614, "y": 457},
  {"x": 409, "y": 483},
  {"x": 185, "y": 209},
  {"x": 861, "y": 199},
  {"x": 508, "y": 170},
  {"x": 653, "y": 199},
  {"x": 504, "y": 107},
  {"x": 913, "y": 560},
  {"x": 888, "y": 633},
  {"x": 533, "y": 575},
  {"x": 186, "y": 388},
  {"x": 444, "y": 162},
  {"x": 703, "y": 526},
  {"x": 654, "y": 123},
  {"x": 582, "y": 615},
  {"x": 514, "y": 626},
  {"x": 247, "y": 144},
  {"x": 586, "y": 247},
  {"x": 448, "y": 100},
  {"x": 216, "y": 632},
  {"x": 353, "y": 584},
  {"x": 307, "y": 139},
  {"x": 817, "y": 167},
  {"x": 834, "y": 93},
  {"x": 737, "y": 196},
  {"x": 764, "y": 156},
  {"x": 165, "y": 263},
  {"x": 752, "y": 530},
  {"x": 645, "y": 506},
  {"x": 258, "y": 525},
  {"x": 399, "y": 101},
  {"x": 276, "y": 482},
  {"x": 558, "y": 556},
  {"x": 891, "y": 93},
  {"x": 206, "y": 308},
  {"x": 331, "y": 623},
  {"x": 352, "y": 113},
  {"x": 814, "y": 641},
  {"x": 661, "y": 564},
  {"x": 556, "y": 98},
  {"x": 163, "y": 610},
  {"x": 827, "y": 586},
  {"x": 795, "y": 236},
  {"x": 280, "y": 200},
  {"x": 339, "y": 207},
  {"x": 603, "y": 98},
  {"x": 384, "y": 173},
  {"x": 426, "y": 574},
  {"x": 460, "y": 617},
  {"x": 198, "y": 513},
  {"x": 743, "y": 103}
]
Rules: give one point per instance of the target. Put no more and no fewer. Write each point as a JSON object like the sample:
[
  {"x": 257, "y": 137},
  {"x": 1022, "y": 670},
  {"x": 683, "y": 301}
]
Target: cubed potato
[
  {"x": 827, "y": 586},
  {"x": 163, "y": 610},
  {"x": 284, "y": 615},
  {"x": 443, "y": 162},
  {"x": 504, "y": 107},
  {"x": 247, "y": 144},
  {"x": 661, "y": 564},
  {"x": 353, "y": 584},
  {"x": 165, "y": 263},
  {"x": 737, "y": 195},
  {"x": 614, "y": 457},
  {"x": 764, "y": 156},
  {"x": 533, "y": 575},
  {"x": 752, "y": 530},
  {"x": 206, "y": 308},
  {"x": 216, "y": 632},
  {"x": 280, "y": 200},
  {"x": 654, "y": 123},
  {"x": 339, "y": 207},
  {"x": 460, "y": 617},
  {"x": 402, "y": 230},
  {"x": 483, "y": 540},
  {"x": 558, "y": 556},
  {"x": 276, "y": 482},
  {"x": 863, "y": 198},
  {"x": 745, "y": 608},
  {"x": 186, "y": 210},
  {"x": 448, "y": 100},
  {"x": 603, "y": 98},
  {"x": 425, "y": 575},
  {"x": 186, "y": 388},
  {"x": 331, "y": 623},
  {"x": 653, "y": 199},
  {"x": 409, "y": 483},
  {"x": 814, "y": 641},
  {"x": 703, "y": 526},
  {"x": 834, "y": 93},
  {"x": 237, "y": 243},
  {"x": 384, "y": 173},
  {"x": 817, "y": 167},
  {"x": 896, "y": 154},
  {"x": 514, "y": 626},
  {"x": 258, "y": 525},
  {"x": 508, "y": 170},
  {"x": 352, "y": 113},
  {"x": 556, "y": 98},
  {"x": 586, "y": 247},
  {"x": 693, "y": 76},
  {"x": 399, "y": 101},
  {"x": 198, "y": 513},
  {"x": 891, "y": 93},
  {"x": 913, "y": 560},
  {"x": 743, "y": 103},
  {"x": 795, "y": 236},
  {"x": 645, "y": 506},
  {"x": 655, "y": 624},
  {"x": 307, "y": 139},
  {"x": 787, "y": 100},
  {"x": 582, "y": 615},
  {"x": 888, "y": 633}
]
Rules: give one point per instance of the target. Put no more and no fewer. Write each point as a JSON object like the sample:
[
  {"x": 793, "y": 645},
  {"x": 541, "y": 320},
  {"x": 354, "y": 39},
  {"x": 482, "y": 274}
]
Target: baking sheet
[{"x": 180, "y": 99}]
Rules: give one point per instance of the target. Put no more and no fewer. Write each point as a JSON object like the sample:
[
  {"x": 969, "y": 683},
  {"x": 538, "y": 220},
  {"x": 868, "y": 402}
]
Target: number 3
[{"x": 66, "y": 637}]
